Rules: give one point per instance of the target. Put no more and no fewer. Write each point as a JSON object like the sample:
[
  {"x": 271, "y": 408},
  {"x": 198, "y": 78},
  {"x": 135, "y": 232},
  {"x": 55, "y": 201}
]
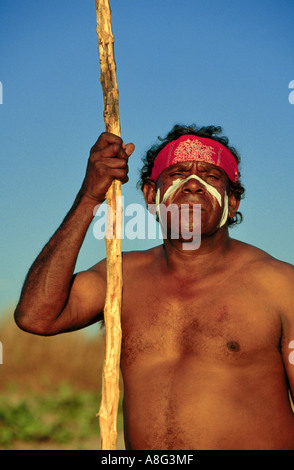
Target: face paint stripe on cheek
[
  {"x": 213, "y": 191},
  {"x": 179, "y": 182},
  {"x": 157, "y": 203},
  {"x": 225, "y": 211},
  {"x": 175, "y": 185}
]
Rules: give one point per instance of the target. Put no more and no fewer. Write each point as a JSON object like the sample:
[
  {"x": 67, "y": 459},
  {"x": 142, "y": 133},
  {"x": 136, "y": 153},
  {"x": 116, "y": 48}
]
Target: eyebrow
[
  {"x": 178, "y": 168},
  {"x": 184, "y": 166}
]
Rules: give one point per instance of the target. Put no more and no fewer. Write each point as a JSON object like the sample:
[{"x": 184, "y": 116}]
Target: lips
[
  {"x": 184, "y": 207},
  {"x": 191, "y": 202}
]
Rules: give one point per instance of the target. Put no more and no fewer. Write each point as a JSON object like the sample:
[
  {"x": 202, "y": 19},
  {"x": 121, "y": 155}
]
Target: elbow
[
  {"x": 31, "y": 323},
  {"x": 20, "y": 318}
]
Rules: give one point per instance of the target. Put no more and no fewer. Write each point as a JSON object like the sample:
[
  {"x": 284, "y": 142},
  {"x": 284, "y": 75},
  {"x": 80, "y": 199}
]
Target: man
[{"x": 206, "y": 331}]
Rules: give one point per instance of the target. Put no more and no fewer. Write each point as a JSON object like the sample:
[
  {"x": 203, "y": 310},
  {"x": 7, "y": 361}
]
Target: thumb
[{"x": 129, "y": 149}]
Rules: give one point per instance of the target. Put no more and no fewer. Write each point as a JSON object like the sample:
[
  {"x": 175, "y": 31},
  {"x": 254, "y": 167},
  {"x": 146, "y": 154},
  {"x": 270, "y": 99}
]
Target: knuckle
[{"x": 123, "y": 163}]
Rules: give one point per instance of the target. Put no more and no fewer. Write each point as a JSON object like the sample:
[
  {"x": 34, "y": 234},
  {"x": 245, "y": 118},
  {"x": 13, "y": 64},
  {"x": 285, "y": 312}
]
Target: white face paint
[{"x": 211, "y": 189}]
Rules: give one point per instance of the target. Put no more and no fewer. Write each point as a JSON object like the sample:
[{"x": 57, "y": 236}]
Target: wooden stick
[{"x": 112, "y": 308}]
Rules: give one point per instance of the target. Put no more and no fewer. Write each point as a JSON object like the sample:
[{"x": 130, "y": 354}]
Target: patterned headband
[{"x": 190, "y": 147}]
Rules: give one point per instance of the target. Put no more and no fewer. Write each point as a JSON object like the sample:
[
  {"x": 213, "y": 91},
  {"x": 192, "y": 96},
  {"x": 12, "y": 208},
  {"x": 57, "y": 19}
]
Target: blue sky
[{"x": 222, "y": 62}]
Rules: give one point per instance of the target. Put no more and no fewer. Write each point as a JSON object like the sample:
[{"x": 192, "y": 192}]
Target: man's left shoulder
[
  {"x": 274, "y": 278},
  {"x": 278, "y": 269},
  {"x": 262, "y": 265},
  {"x": 278, "y": 279}
]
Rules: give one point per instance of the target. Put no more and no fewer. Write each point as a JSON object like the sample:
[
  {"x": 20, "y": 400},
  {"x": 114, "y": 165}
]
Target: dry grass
[
  {"x": 41, "y": 363},
  {"x": 51, "y": 376}
]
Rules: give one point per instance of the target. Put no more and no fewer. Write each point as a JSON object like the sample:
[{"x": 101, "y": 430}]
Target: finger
[
  {"x": 125, "y": 180},
  {"x": 125, "y": 151},
  {"x": 119, "y": 174},
  {"x": 105, "y": 139},
  {"x": 115, "y": 163},
  {"x": 111, "y": 150}
]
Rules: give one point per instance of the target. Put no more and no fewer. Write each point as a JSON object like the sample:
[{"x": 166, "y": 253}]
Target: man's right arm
[{"x": 53, "y": 299}]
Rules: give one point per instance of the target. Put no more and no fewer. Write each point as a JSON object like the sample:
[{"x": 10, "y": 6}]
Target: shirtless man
[{"x": 206, "y": 332}]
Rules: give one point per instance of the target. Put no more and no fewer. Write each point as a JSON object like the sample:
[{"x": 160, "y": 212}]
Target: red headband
[{"x": 190, "y": 147}]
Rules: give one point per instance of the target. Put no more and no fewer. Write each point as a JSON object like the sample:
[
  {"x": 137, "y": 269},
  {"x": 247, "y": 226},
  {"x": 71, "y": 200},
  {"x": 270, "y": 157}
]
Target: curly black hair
[{"x": 212, "y": 132}]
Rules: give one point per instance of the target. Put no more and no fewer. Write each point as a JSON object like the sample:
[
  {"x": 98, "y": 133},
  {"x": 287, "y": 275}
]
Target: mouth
[{"x": 182, "y": 205}]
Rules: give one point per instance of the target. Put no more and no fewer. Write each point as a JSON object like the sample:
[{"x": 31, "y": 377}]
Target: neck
[{"x": 201, "y": 261}]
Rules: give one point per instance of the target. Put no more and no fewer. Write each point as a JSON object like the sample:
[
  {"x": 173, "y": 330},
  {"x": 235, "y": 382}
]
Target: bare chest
[{"x": 162, "y": 322}]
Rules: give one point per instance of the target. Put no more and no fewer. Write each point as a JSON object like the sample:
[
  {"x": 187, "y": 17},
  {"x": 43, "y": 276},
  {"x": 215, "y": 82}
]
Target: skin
[{"x": 206, "y": 333}]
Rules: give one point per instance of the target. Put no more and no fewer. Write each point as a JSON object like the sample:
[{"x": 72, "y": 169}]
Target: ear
[
  {"x": 233, "y": 205},
  {"x": 149, "y": 192}
]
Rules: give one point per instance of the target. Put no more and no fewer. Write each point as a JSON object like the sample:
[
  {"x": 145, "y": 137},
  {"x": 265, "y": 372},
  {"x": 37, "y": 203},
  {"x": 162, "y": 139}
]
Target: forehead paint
[{"x": 211, "y": 189}]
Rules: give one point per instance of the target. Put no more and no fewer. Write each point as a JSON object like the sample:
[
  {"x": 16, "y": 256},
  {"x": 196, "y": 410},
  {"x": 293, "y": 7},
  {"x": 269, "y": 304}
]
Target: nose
[{"x": 193, "y": 186}]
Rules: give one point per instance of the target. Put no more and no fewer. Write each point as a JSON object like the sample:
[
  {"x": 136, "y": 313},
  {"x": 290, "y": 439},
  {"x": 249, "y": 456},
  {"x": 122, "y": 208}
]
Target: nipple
[{"x": 233, "y": 346}]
